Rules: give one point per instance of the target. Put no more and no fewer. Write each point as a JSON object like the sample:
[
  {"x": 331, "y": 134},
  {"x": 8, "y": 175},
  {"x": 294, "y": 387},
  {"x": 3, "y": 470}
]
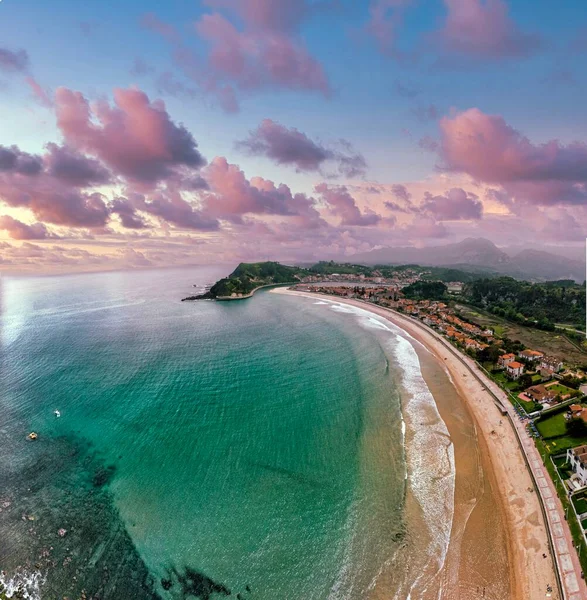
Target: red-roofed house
[
  {"x": 505, "y": 359},
  {"x": 514, "y": 369}
]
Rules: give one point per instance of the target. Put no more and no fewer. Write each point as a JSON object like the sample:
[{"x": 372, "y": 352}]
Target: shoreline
[{"x": 526, "y": 533}]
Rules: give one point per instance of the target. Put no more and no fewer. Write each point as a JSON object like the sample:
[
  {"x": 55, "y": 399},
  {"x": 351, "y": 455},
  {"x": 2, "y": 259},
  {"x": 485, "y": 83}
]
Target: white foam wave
[
  {"x": 22, "y": 585},
  {"x": 430, "y": 455}
]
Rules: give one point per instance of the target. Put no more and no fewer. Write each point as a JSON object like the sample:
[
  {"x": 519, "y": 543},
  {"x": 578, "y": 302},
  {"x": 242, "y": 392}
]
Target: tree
[
  {"x": 577, "y": 428},
  {"x": 525, "y": 381}
]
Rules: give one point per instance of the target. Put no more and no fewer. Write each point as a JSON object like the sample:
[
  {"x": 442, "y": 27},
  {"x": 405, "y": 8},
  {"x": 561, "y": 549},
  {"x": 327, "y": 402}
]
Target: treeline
[
  {"x": 539, "y": 305},
  {"x": 426, "y": 290},
  {"x": 247, "y": 276}
]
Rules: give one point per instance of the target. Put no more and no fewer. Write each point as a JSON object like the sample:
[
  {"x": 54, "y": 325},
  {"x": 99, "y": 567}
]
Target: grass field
[
  {"x": 552, "y": 426},
  {"x": 549, "y": 342},
  {"x": 580, "y": 504},
  {"x": 553, "y": 429},
  {"x": 560, "y": 389}
]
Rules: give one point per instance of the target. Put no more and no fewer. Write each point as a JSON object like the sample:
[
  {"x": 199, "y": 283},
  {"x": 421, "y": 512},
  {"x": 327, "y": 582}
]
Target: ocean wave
[
  {"x": 430, "y": 454},
  {"x": 22, "y": 585}
]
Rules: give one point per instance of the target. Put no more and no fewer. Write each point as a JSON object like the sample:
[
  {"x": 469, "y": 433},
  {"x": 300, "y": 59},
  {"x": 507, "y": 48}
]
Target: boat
[
  {"x": 32, "y": 435},
  {"x": 57, "y": 413}
]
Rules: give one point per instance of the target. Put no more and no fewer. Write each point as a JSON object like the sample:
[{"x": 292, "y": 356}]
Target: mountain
[
  {"x": 549, "y": 266},
  {"x": 481, "y": 255}
]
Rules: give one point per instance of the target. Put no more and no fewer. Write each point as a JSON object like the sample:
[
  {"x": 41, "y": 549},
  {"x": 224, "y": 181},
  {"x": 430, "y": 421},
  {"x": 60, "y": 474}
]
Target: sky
[{"x": 216, "y": 131}]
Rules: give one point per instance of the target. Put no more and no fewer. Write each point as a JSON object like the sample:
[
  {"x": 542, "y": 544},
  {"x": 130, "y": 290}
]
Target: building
[
  {"x": 577, "y": 459},
  {"x": 505, "y": 359},
  {"x": 514, "y": 369},
  {"x": 575, "y": 411},
  {"x": 551, "y": 363},
  {"x": 531, "y": 355},
  {"x": 540, "y": 394}
]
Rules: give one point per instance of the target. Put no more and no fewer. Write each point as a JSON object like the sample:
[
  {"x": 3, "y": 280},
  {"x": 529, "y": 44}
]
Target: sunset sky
[{"x": 192, "y": 132}]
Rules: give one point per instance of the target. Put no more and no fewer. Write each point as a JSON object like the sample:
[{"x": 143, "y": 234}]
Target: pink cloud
[
  {"x": 482, "y": 29},
  {"x": 343, "y": 205},
  {"x": 454, "y": 205},
  {"x": 232, "y": 195},
  {"x": 54, "y": 203},
  {"x": 490, "y": 150},
  {"x": 267, "y": 15},
  {"x": 257, "y": 59},
  {"x": 42, "y": 96},
  {"x": 292, "y": 147},
  {"x": 169, "y": 206},
  {"x": 18, "y": 230},
  {"x": 136, "y": 137},
  {"x": 424, "y": 228},
  {"x": 49, "y": 194}
]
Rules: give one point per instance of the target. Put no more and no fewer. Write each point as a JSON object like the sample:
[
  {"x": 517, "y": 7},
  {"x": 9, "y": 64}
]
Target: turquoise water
[{"x": 253, "y": 447}]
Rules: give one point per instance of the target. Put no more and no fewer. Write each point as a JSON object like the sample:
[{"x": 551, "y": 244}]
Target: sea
[{"x": 263, "y": 449}]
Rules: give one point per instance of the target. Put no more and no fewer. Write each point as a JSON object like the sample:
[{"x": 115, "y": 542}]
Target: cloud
[
  {"x": 254, "y": 59},
  {"x": 292, "y": 147},
  {"x": 54, "y": 203},
  {"x": 422, "y": 228},
  {"x": 18, "y": 230},
  {"x": 136, "y": 138},
  {"x": 129, "y": 217},
  {"x": 251, "y": 45},
  {"x": 343, "y": 205},
  {"x": 14, "y": 61},
  {"x": 267, "y": 15},
  {"x": 454, "y": 205},
  {"x": 483, "y": 30},
  {"x": 400, "y": 192},
  {"x": 232, "y": 195},
  {"x": 169, "y": 206},
  {"x": 14, "y": 160},
  {"x": 488, "y": 149},
  {"x": 74, "y": 168},
  {"x": 41, "y": 95},
  {"x": 50, "y": 195}
]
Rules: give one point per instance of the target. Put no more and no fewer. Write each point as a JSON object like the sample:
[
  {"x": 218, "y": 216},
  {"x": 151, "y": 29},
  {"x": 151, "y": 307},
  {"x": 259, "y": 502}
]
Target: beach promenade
[
  {"x": 568, "y": 569},
  {"x": 537, "y": 520}
]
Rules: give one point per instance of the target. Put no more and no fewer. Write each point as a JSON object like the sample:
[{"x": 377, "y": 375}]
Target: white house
[
  {"x": 514, "y": 369},
  {"x": 531, "y": 355},
  {"x": 577, "y": 459}
]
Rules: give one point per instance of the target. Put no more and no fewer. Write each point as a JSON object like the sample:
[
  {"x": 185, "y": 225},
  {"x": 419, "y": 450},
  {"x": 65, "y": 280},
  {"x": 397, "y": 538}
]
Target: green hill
[{"x": 249, "y": 276}]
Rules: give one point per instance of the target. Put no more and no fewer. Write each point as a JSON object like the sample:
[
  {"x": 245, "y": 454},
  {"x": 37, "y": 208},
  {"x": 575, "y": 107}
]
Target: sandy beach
[{"x": 509, "y": 502}]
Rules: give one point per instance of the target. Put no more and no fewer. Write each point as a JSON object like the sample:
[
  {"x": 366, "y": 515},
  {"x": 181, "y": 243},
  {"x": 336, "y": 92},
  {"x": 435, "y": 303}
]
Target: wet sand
[{"x": 498, "y": 536}]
